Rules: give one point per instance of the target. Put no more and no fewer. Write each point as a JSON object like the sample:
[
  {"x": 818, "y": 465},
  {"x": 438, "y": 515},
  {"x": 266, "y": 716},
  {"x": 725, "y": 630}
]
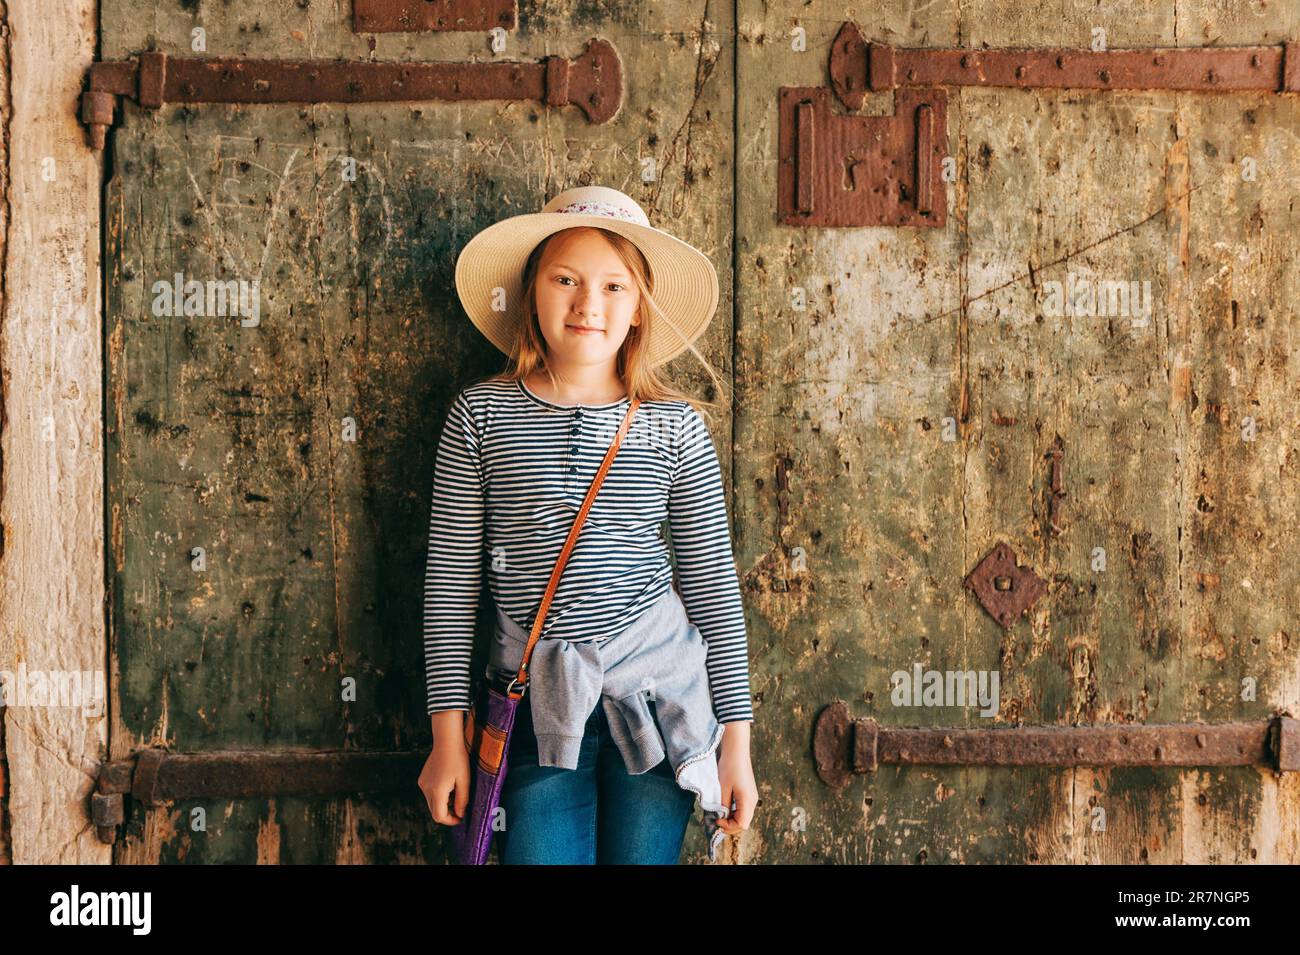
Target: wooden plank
[{"x": 51, "y": 615}]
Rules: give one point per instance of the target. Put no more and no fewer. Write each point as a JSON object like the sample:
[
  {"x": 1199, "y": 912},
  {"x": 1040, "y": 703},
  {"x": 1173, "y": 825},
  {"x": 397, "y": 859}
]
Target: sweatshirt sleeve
[
  {"x": 706, "y": 568},
  {"x": 454, "y": 564}
]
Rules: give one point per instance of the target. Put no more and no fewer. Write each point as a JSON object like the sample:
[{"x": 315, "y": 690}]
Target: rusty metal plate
[
  {"x": 843, "y": 746},
  {"x": 838, "y": 170},
  {"x": 591, "y": 81},
  {"x": 418, "y": 16},
  {"x": 1003, "y": 587}
]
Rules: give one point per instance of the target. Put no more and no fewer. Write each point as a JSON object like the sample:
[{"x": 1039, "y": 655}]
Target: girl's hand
[
  {"x": 445, "y": 777},
  {"x": 736, "y": 774}
]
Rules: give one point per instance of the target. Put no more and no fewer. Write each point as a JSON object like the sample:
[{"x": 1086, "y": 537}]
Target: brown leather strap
[{"x": 521, "y": 678}]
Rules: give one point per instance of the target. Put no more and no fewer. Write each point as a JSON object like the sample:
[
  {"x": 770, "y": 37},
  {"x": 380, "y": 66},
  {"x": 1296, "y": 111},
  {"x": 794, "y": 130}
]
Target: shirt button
[
  {"x": 578, "y": 413},
  {"x": 573, "y": 450},
  {"x": 573, "y": 470},
  {"x": 575, "y": 429}
]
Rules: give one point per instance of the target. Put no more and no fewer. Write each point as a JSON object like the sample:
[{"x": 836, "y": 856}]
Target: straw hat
[{"x": 685, "y": 283}]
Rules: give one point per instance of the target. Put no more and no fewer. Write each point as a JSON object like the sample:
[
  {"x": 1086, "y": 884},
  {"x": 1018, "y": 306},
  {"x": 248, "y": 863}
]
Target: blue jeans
[{"x": 595, "y": 814}]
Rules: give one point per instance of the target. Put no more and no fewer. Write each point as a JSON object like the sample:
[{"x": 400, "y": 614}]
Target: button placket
[{"x": 575, "y": 429}]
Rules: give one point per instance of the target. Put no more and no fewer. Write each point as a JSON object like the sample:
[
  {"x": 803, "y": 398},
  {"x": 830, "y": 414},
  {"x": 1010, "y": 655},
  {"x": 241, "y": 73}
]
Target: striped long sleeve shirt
[{"x": 511, "y": 472}]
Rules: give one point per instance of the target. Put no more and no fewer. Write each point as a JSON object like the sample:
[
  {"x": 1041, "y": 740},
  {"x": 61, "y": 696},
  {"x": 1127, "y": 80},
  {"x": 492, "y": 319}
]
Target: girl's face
[{"x": 586, "y": 299}]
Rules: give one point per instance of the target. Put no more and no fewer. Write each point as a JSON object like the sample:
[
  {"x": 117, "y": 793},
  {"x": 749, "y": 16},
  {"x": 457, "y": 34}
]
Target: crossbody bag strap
[{"x": 521, "y": 678}]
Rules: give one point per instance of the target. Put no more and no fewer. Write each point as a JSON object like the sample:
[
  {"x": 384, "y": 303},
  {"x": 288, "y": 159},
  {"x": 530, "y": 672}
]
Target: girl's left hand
[{"x": 736, "y": 774}]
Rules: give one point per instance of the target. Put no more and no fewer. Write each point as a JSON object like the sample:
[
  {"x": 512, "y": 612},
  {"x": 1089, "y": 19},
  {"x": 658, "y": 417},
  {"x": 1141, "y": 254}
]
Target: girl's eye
[
  {"x": 615, "y": 286},
  {"x": 564, "y": 278}
]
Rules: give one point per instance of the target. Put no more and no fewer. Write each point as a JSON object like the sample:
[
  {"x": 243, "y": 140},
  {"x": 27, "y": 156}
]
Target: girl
[{"x": 638, "y": 692}]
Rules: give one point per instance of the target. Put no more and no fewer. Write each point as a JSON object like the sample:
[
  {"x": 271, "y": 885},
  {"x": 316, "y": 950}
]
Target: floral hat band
[{"x": 602, "y": 209}]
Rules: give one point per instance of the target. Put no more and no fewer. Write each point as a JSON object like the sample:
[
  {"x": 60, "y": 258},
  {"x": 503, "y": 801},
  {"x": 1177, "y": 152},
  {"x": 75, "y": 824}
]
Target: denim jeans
[{"x": 595, "y": 814}]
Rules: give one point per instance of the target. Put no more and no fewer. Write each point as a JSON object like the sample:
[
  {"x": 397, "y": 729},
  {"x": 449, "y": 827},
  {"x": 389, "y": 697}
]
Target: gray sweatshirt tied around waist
[{"x": 660, "y": 657}]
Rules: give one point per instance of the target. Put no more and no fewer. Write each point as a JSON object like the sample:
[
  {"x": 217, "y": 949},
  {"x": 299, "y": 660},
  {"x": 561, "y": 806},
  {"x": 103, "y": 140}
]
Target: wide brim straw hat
[{"x": 685, "y": 284}]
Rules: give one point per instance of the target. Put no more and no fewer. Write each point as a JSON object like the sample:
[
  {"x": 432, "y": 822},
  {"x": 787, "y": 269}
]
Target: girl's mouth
[{"x": 581, "y": 330}]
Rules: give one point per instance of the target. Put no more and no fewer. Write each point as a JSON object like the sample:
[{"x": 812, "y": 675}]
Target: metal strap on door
[
  {"x": 154, "y": 776},
  {"x": 591, "y": 81},
  {"x": 843, "y": 746},
  {"x": 847, "y": 170}
]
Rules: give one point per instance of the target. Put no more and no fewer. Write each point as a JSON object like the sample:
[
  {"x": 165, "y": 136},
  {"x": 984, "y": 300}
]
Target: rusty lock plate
[
  {"x": 838, "y": 170},
  {"x": 843, "y": 746},
  {"x": 1003, "y": 587},
  {"x": 417, "y": 16},
  {"x": 592, "y": 81}
]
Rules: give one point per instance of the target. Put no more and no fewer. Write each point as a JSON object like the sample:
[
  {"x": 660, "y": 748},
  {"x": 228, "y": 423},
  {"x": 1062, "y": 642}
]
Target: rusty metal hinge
[
  {"x": 411, "y": 16},
  {"x": 592, "y": 81},
  {"x": 153, "y": 776},
  {"x": 849, "y": 170},
  {"x": 843, "y": 746}
]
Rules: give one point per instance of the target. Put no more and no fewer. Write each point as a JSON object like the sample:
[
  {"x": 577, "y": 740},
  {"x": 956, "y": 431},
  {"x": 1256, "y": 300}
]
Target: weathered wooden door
[
  {"x": 271, "y": 461},
  {"x": 901, "y": 394},
  {"x": 898, "y": 394}
]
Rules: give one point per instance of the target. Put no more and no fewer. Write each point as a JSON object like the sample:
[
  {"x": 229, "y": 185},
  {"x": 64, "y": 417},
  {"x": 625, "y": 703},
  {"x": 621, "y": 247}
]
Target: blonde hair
[{"x": 633, "y": 369}]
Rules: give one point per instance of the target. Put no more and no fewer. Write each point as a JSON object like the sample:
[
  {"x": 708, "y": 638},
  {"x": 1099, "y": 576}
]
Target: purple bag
[
  {"x": 487, "y": 737},
  {"x": 491, "y": 718}
]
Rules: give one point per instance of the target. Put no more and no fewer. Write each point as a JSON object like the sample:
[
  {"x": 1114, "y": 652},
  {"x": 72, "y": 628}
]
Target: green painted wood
[
  {"x": 882, "y": 439},
  {"x": 858, "y": 521},
  {"x": 232, "y": 438}
]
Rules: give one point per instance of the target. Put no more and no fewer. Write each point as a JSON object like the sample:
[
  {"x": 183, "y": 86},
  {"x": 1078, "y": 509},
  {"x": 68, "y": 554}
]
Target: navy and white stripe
[{"x": 512, "y": 470}]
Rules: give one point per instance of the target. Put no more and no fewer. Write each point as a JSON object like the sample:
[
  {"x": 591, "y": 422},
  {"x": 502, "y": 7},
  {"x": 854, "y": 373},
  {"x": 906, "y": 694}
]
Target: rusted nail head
[
  {"x": 1104, "y": 75},
  {"x": 1254, "y": 60},
  {"x": 1020, "y": 71},
  {"x": 947, "y": 742},
  {"x": 1200, "y": 740}
]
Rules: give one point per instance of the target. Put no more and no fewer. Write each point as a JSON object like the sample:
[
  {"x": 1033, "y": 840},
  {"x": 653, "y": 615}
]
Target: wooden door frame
[{"x": 51, "y": 430}]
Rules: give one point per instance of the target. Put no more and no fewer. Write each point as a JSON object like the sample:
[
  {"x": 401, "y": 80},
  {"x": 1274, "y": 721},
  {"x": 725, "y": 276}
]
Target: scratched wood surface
[
  {"x": 232, "y": 439},
  {"x": 884, "y": 437},
  {"x": 860, "y": 512}
]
